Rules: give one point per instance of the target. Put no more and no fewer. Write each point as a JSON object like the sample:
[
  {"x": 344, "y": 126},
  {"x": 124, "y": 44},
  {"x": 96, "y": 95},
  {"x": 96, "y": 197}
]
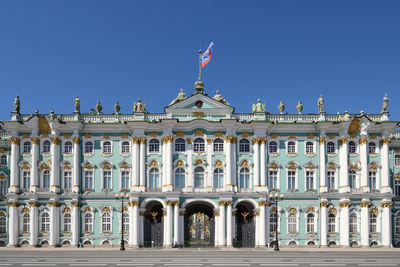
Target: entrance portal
[
  {"x": 245, "y": 230},
  {"x": 199, "y": 226},
  {"x": 153, "y": 225}
]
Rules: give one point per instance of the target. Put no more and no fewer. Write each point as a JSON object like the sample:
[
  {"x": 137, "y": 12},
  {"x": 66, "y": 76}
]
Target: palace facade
[{"x": 200, "y": 175}]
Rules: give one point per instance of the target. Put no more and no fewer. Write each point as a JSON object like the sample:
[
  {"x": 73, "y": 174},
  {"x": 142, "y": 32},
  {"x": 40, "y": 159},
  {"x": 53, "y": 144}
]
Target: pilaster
[{"x": 14, "y": 181}]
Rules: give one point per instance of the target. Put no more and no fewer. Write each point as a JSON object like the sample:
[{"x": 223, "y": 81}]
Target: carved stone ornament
[
  {"x": 77, "y": 103},
  {"x": 98, "y": 107},
  {"x": 320, "y": 104},
  {"x": 258, "y": 108},
  {"x": 17, "y": 105},
  {"x": 117, "y": 108},
  {"x": 139, "y": 107},
  {"x": 181, "y": 96},
  {"x": 281, "y": 107},
  {"x": 385, "y": 104},
  {"x": 299, "y": 107}
]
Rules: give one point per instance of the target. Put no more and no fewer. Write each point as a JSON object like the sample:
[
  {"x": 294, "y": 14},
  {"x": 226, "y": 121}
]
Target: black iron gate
[
  {"x": 199, "y": 230},
  {"x": 153, "y": 229},
  {"x": 245, "y": 230}
]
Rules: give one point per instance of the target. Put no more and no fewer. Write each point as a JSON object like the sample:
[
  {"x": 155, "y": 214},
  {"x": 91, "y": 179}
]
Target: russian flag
[{"x": 206, "y": 57}]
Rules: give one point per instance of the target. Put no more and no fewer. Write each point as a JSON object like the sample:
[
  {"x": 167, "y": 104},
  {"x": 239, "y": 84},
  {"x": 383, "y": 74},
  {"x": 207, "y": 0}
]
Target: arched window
[
  {"x": 292, "y": 223},
  {"x": 125, "y": 223},
  {"x": 330, "y": 148},
  {"x": 3, "y": 224},
  {"x": 310, "y": 243},
  {"x": 352, "y": 179},
  {"x": 353, "y": 244},
  {"x": 199, "y": 177},
  {"x": 26, "y": 222},
  {"x": 352, "y": 147},
  {"x": 371, "y": 148},
  {"x": 27, "y": 147},
  {"x": 309, "y": 148},
  {"x": 244, "y": 178},
  {"x": 218, "y": 145},
  {"x": 310, "y": 223},
  {"x": 26, "y": 179},
  {"x": 273, "y": 147},
  {"x": 179, "y": 178},
  {"x": 89, "y": 147},
  {"x": 372, "y": 180},
  {"x": 218, "y": 178},
  {"x": 154, "y": 145},
  {"x": 88, "y": 223},
  {"x": 45, "y": 222},
  {"x": 3, "y": 160},
  {"x": 292, "y": 243},
  {"x": 373, "y": 219},
  {"x": 107, "y": 147},
  {"x": 124, "y": 179},
  {"x": 154, "y": 179},
  {"x": 46, "y": 146},
  {"x": 3, "y": 187},
  {"x": 291, "y": 147},
  {"x": 107, "y": 181},
  {"x": 125, "y": 147},
  {"x": 67, "y": 221},
  {"x": 244, "y": 145},
  {"x": 68, "y": 147},
  {"x": 45, "y": 179},
  {"x": 396, "y": 225},
  {"x": 397, "y": 160},
  {"x": 331, "y": 223},
  {"x": 198, "y": 145},
  {"x": 272, "y": 222},
  {"x": 180, "y": 145},
  {"x": 106, "y": 222},
  {"x": 353, "y": 222},
  {"x": 331, "y": 244}
]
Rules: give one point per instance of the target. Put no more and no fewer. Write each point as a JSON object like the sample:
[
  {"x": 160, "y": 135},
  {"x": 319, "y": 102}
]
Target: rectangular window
[
  {"x": 397, "y": 187},
  {"x": 88, "y": 179},
  {"x": 3, "y": 187},
  {"x": 26, "y": 180},
  {"x": 309, "y": 180},
  {"x": 107, "y": 179},
  {"x": 291, "y": 175},
  {"x": 273, "y": 179},
  {"x": 372, "y": 180},
  {"x": 331, "y": 180},
  {"x": 125, "y": 180},
  {"x": 352, "y": 179},
  {"x": 67, "y": 180}
]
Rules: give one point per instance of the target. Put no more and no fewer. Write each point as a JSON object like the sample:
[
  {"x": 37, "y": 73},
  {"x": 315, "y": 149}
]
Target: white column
[
  {"x": 34, "y": 223},
  {"x": 229, "y": 230},
  {"x": 221, "y": 229},
  {"x": 140, "y": 227},
  {"x": 181, "y": 228},
  {"x": 176, "y": 223},
  {"x": 55, "y": 165},
  {"x": 54, "y": 225},
  {"x": 344, "y": 174},
  {"x": 344, "y": 223},
  {"x": 12, "y": 224},
  {"x": 256, "y": 156},
  {"x": 34, "y": 169},
  {"x": 267, "y": 225},
  {"x": 257, "y": 228},
  {"x": 142, "y": 173},
  {"x": 14, "y": 181},
  {"x": 386, "y": 224},
  {"x": 75, "y": 223},
  {"x": 228, "y": 158},
  {"x": 322, "y": 162},
  {"x": 365, "y": 223},
  {"x": 263, "y": 178},
  {"x": 262, "y": 241},
  {"x": 168, "y": 224},
  {"x": 135, "y": 164},
  {"x": 164, "y": 164},
  {"x": 216, "y": 227},
  {"x": 385, "y": 186},
  {"x": 77, "y": 165},
  {"x": 169, "y": 140},
  {"x": 135, "y": 224},
  {"x": 190, "y": 180},
  {"x": 324, "y": 224},
  {"x": 364, "y": 164}
]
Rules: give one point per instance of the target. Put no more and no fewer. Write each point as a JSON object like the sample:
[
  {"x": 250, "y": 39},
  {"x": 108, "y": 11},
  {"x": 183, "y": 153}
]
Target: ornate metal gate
[
  {"x": 154, "y": 230},
  {"x": 199, "y": 230},
  {"x": 245, "y": 230}
]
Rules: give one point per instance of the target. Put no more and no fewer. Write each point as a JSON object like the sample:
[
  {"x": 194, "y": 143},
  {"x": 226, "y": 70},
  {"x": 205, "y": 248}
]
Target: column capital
[
  {"x": 75, "y": 204},
  {"x": 322, "y": 140},
  {"x": 14, "y": 140},
  {"x": 262, "y": 203},
  {"x": 363, "y": 140},
  {"x": 256, "y": 140},
  {"x": 387, "y": 204},
  {"x": 365, "y": 204},
  {"x": 189, "y": 141},
  {"x": 34, "y": 203},
  {"x": 136, "y": 140},
  {"x": 386, "y": 141},
  {"x": 134, "y": 203},
  {"x": 324, "y": 204},
  {"x": 345, "y": 204},
  {"x": 13, "y": 204},
  {"x": 263, "y": 140},
  {"x": 343, "y": 140},
  {"x": 231, "y": 139},
  {"x": 228, "y": 203},
  {"x": 54, "y": 204},
  {"x": 55, "y": 140},
  {"x": 209, "y": 141},
  {"x": 142, "y": 140},
  {"x": 35, "y": 140},
  {"x": 76, "y": 140}
]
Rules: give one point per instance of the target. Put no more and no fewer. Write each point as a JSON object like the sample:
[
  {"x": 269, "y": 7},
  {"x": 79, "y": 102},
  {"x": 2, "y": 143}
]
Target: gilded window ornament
[
  {"x": 332, "y": 211},
  {"x": 292, "y": 210},
  {"x": 2, "y": 176},
  {"x": 219, "y": 164},
  {"x": 373, "y": 166},
  {"x": 180, "y": 163},
  {"x": 180, "y": 134},
  {"x": 198, "y": 133},
  {"x": 26, "y": 166},
  {"x": 87, "y": 135},
  {"x": 310, "y": 136},
  {"x": 292, "y": 136},
  {"x": 67, "y": 136},
  {"x": 66, "y": 209},
  {"x": 106, "y": 209},
  {"x": 332, "y": 166},
  {"x": 198, "y": 162},
  {"x": 245, "y": 163},
  {"x": 153, "y": 164},
  {"x": 106, "y": 136},
  {"x": 311, "y": 209},
  {"x": 153, "y": 134},
  {"x": 189, "y": 141},
  {"x": 218, "y": 134},
  {"x": 209, "y": 141},
  {"x": 374, "y": 211},
  {"x": 292, "y": 166},
  {"x": 25, "y": 210},
  {"x": 124, "y": 136}
]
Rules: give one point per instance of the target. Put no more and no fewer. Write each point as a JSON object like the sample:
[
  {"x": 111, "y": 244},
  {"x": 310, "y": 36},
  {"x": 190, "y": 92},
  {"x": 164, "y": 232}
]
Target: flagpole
[{"x": 200, "y": 64}]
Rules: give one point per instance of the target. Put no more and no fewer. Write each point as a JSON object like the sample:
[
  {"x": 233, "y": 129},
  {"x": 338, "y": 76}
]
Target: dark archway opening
[
  {"x": 199, "y": 225},
  {"x": 153, "y": 225},
  {"x": 245, "y": 226}
]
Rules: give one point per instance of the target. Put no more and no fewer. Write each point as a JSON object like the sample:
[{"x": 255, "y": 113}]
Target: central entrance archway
[
  {"x": 199, "y": 225},
  {"x": 153, "y": 225},
  {"x": 245, "y": 230}
]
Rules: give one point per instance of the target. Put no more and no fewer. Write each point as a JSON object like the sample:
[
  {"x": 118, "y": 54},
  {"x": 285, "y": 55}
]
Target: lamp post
[
  {"x": 122, "y": 196},
  {"x": 276, "y": 197}
]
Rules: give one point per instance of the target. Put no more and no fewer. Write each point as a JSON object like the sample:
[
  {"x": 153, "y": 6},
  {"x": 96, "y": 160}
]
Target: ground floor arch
[
  {"x": 199, "y": 225},
  {"x": 245, "y": 225},
  {"x": 153, "y": 225}
]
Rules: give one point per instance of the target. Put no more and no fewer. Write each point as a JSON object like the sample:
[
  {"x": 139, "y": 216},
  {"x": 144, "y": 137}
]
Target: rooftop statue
[
  {"x": 345, "y": 116},
  {"x": 258, "y": 107},
  {"x": 77, "y": 105},
  {"x": 181, "y": 96},
  {"x": 117, "y": 108},
  {"x": 385, "y": 104},
  {"x": 139, "y": 106},
  {"x": 281, "y": 107},
  {"x": 99, "y": 107},
  {"x": 219, "y": 98},
  {"x": 299, "y": 107},
  {"x": 320, "y": 104},
  {"x": 17, "y": 104}
]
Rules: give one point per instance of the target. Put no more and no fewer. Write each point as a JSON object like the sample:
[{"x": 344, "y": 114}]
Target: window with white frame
[
  {"x": 67, "y": 222},
  {"x": 273, "y": 147},
  {"x": 26, "y": 222},
  {"x": 244, "y": 176},
  {"x": 330, "y": 148},
  {"x": 125, "y": 223},
  {"x": 397, "y": 187},
  {"x": 331, "y": 223},
  {"x": 27, "y": 147},
  {"x": 353, "y": 223},
  {"x": 68, "y": 147},
  {"x": 291, "y": 147},
  {"x": 291, "y": 178},
  {"x": 88, "y": 176},
  {"x": 88, "y": 223},
  {"x": 107, "y": 147},
  {"x": 371, "y": 148},
  {"x": 125, "y": 147},
  {"x": 3, "y": 160},
  {"x": 107, "y": 181},
  {"x": 218, "y": 145},
  {"x": 45, "y": 222},
  {"x": 45, "y": 183},
  {"x": 273, "y": 179},
  {"x": 3, "y": 224},
  {"x": 397, "y": 160},
  {"x": 154, "y": 145},
  {"x": 106, "y": 222},
  {"x": 292, "y": 223},
  {"x": 154, "y": 178},
  {"x": 309, "y": 179},
  {"x": 331, "y": 180},
  {"x": 3, "y": 187},
  {"x": 352, "y": 147},
  {"x": 88, "y": 147},
  {"x": 46, "y": 146},
  {"x": 309, "y": 148},
  {"x": 244, "y": 145},
  {"x": 199, "y": 177},
  {"x": 26, "y": 179},
  {"x": 396, "y": 225},
  {"x": 218, "y": 178},
  {"x": 310, "y": 223},
  {"x": 179, "y": 178},
  {"x": 198, "y": 145},
  {"x": 180, "y": 145},
  {"x": 372, "y": 180},
  {"x": 273, "y": 222},
  {"x": 67, "y": 179},
  {"x": 124, "y": 179},
  {"x": 352, "y": 179},
  {"x": 373, "y": 220}
]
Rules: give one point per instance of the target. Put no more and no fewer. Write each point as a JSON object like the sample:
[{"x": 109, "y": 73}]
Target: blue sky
[{"x": 348, "y": 51}]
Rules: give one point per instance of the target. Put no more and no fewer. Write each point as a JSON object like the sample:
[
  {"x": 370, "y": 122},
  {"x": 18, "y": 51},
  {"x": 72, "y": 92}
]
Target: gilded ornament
[
  {"x": 209, "y": 141},
  {"x": 2, "y": 213},
  {"x": 322, "y": 140},
  {"x": 332, "y": 166},
  {"x": 124, "y": 136},
  {"x": 66, "y": 209},
  {"x": 75, "y": 204},
  {"x": 263, "y": 140},
  {"x": 14, "y": 140},
  {"x": 26, "y": 166},
  {"x": 374, "y": 211},
  {"x": 397, "y": 150},
  {"x": 228, "y": 203},
  {"x": 153, "y": 134},
  {"x": 363, "y": 140},
  {"x": 385, "y": 141},
  {"x": 25, "y": 210},
  {"x": 274, "y": 135},
  {"x": 180, "y": 134},
  {"x": 256, "y": 140},
  {"x": 2, "y": 150},
  {"x": 262, "y": 203},
  {"x": 106, "y": 209},
  {"x": 106, "y": 136},
  {"x": 34, "y": 204},
  {"x": 198, "y": 162},
  {"x": 198, "y": 133},
  {"x": 245, "y": 214},
  {"x": 165, "y": 213},
  {"x": 135, "y": 140},
  {"x": 87, "y": 208},
  {"x": 331, "y": 136},
  {"x": 189, "y": 141},
  {"x": 343, "y": 140},
  {"x": 55, "y": 140},
  {"x": 292, "y": 166},
  {"x": 87, "y": 135},
  {"x": 124, "y": 165},
  {"x": 332, "y": 211},
  {"x": 142, "y": 140},
  {"x": 107, "y": 166},
  {"x": 245, "y": 163},
  {"x": 387, "y": 205},
  {"x": 244, "y": 135},
  {"x": 373, "y": 166},
  {"x": 256, "y": 214},
  {"x": 198, "y": 114},
  {"x": 153, "y": 164},
  {"x": 44, "y": 166},
  {"x": 35, "y": 140},
  {"x": 310, "y": 136},
  {"x": 88, "y": 166},
  {"x": 219, "y": 164},
  {"x": 2, "y": 176},
  {"x": 76, "y": 140},
  {"x": 12, "y": 204},
  {"x": 345, "y": 204},
  {"x": 324, "y": 204},
  {"x": 43, "y": 125},
  {"x": 180, "y": 163},
  {"x": 292, "y": 136},
  {"x": 274, "y": 166},
  {"x": 311, "y": 209},
  {"x": 365, "y": 204},
  {"x": 54, "y": 204},
  {"x": 292, "y": 210}
]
